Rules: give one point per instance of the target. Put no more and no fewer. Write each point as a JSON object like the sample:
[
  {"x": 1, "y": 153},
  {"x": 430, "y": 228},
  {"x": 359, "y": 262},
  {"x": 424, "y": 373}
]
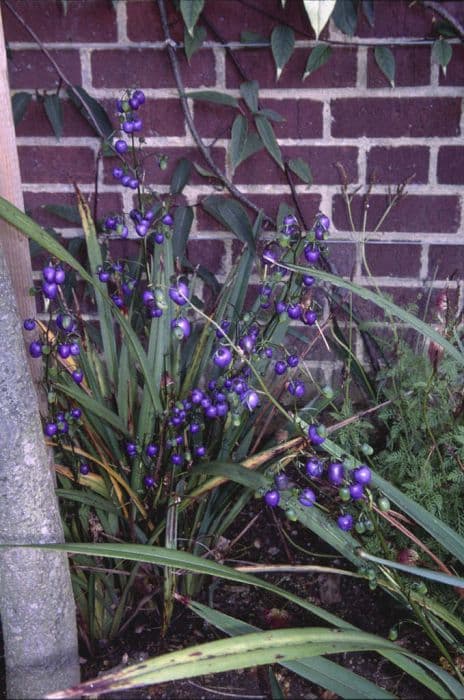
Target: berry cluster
[{"x": 130, "y": 124}]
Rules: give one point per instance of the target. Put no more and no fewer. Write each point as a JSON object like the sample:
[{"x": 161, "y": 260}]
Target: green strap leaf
[
  {"x": 317, "y": 58},
  {"x": 320, "y": 671},
  {"x": 180, "y": 176},
  {"x": 249, "y": 91},
  {"x": 54, "y": 111},
  {"x": 282, "y": 45},
  {"x": 191, "y": 10},
  {"x": 183, "y": 218},
  {"x": 64, "y": 211},
  {"x": 386, "y": 62},
  {"x": 214, "y": 96},
  {"x": 442, "y": 52},
  {"x": 20, "y": 102},
  {"x": 319, "y": 12},
  {"x": 269, "y": 140},
  {"x": 302, "y": 169},
  {"x": 92, "y": 406},
  {"x": 238, "y": 140},
  {"x": 193, "y": 42},
  {"x": 233, "y": 472},
  {"x": 232, "y": 215}
]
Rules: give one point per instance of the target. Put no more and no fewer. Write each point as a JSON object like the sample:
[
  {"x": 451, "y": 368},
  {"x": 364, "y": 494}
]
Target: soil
[{"x": 349, "y": 598}]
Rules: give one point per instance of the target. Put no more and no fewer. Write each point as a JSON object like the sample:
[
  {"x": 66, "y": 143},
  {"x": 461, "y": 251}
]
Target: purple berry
[
  {"x": 280, "y": 307},
  {"x": 183, "y": 324},
  {"x": 104, "y": 276},
  {"x": 121, "y": 146},
  {"x": 148, "y": 481},
  {"x": 178, "y": 294},
  {"x": 356, "y": 491},
  {"x": 222, "y": 357},
  {"x": 148, "y": 297},
  {"x": 323, "y": 221},
  {"x": 314, "y": 436},
  {"x": 133, "y": 183},
  {"x": 345, "y": 522},
  {"x": 76, "y": 413},
  {"x": 336, "y": 473},
  {"x": 128, "y": 127},
  {"x": 117, "y": 300},
  {"x": 35, "y": 349},
  {"x": 282, "y": 481},
  {"x": 60, "y": 275},
  {"x": 280, "y": 367},
  {"x": 292, "y": 360},
  {"x": 159, "y": 237},
  {"x": 151, "y": 450},
  {"x": 308, "y": 280},
  {"x": 200, "y": 451},
  {"x": 272, "y": 498},
  {"x": 74, "y": 349},
  {"x": 141, "y": 230},
  {"x": 48, "y": 273},
  {"x": 134, "y": 103},
  {"x": 118, "y": 173},
  {"x": 65, "y": 322},
  {"x": 84, "y": 468},
  {"x": 50, "y": 429},
  {"x": 139, "y": 95},
  {"x": 251, "y": 400},
  {"x": 311, "y": 254},
  {"x": 126, "y": 180},
  {"x": 131, "y": 449},
  {"x": 294, "y": 311},
  {"x": 296, "y": 389},
  {"x": 314, "y": 468},
  {"x": 167, "y": 220},
  {"x": 64, "y": 350},
  {"x": 77, "y": 375},
  {"x": 177, "y": 459},
  {"x": 362, "y": 474},
  {"x": 310, "y": 317},
  {"x": 137, "y": 125},
  {"x": 29, "y": 324},
  {"x": 307, "y": 498},
  {"x": 50, "y": 290}
]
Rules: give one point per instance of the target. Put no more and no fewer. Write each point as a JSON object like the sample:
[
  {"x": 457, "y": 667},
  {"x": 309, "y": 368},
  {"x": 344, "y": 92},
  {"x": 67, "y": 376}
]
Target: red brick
[
  {"x": 414, "y": 213},
  {"x": 412, "y": 67},
  {"x": 391, "y": 165},
  {"x": 394, "y": 117},
  {"x": 89, "y": 21},
  {"x": 455, "y": 68},
  {"x": 143, "y": 21},
  {"x": 393, "y": 260},
  {"x": 405, "y": 21},
  {"x": 450, "y": 165},
  {"x": 261, "y": 168},
  {"x": 208, "y": 253},
  {"x": 36, "y": 123},
  {"x": 121, "y": 68},
  {"x": 269, "y": 203},
  {"x": 260, "y": 16},
  {"x": 30, "y": 68},
  {"x": 155, "y": 176},
  {"x": 160, "y": 117},
  {"x": 34, "y": 203},
  {"x": 339, "y": 71},
  {"x": 61, "y": 164},
  {"x": 341, "y": 257},
  {"x": 303, "y": 119},
  {"x": 446, "y": 261}
]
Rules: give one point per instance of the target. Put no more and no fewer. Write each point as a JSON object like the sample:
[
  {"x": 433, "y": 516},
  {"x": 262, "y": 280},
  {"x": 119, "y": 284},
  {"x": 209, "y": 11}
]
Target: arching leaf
[
  {"x": 238, "y": 140},
  {"x": 317, "y": 58},
  {"x": 191, "y": 10},
  {"x": 282, "y": 45},
  {"x": 442, "y": 52},
  {"x": 386, "y": 62},
  {"x": 269, "y": 140}
]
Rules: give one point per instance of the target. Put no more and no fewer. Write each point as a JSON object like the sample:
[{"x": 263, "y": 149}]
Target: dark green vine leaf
[
  {"x": 232, "y": 215},
  {"x": 238, "y": 140},
  {"x": 368, "y": 11},
  {"x": 219, "y": 98},
  {"x": 20, "y": 103},
  {"x": 282, "y": 45},
  {"x": 102, "y": 120},
  {"x": 54, "y": 111},
  {"x": 193, "y": 42},
  {"x": 180, "y": 176},
  {"x": 253, "y": 144},
  {"x": 191, "y": 10},
  {"x": 268, "y": 138},
  {"x": 317, "y": 58},
  {"x": 183, "y": 218},
  {"x": 247, "y": 37},
  {"x": 272, "y": 115},
  {"x": 249, "y": 92},
  {"x": 345, "y": 16},
  {"x": 302, "y": 169},
  {"x": 386, "y": 62},
  {"x": 64, "y": 211},
  {"x": 445, "y": 29},
  {"x": 442, "y": 52}
]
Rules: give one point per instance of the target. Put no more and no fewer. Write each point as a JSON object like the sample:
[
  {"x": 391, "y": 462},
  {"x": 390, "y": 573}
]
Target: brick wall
[{"x": 345, "y": 112}]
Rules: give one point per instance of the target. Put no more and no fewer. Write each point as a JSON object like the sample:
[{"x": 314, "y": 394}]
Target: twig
[{"x": 170, "y": 44}]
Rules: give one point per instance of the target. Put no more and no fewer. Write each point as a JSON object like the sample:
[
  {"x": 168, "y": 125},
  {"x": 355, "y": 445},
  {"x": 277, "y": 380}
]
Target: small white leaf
[{"x": 319, "y": 12}]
